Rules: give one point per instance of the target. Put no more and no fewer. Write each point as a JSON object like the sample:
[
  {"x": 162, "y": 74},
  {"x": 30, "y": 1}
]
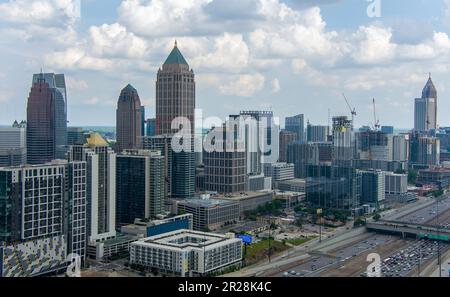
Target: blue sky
[{"x": 290, "y": 56}]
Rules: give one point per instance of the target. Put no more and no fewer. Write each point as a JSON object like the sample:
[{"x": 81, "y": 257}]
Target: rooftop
[
  {"x": 180, "y": 239},
  {"x": 175, "y": 57},
  {"x": 429, "y": 91},
  {"x": 94, "y": 139}
]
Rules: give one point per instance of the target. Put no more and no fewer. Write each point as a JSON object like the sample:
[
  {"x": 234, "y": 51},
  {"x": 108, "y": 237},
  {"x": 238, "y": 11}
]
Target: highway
[{"x": 344, "y": 253}]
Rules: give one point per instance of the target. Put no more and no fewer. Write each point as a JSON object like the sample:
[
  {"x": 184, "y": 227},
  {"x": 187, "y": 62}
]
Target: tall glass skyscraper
[
  {"x": 296, "y": 124},
  {"x": 175, "y": 98},
  {"x": 47, "y": 118}
]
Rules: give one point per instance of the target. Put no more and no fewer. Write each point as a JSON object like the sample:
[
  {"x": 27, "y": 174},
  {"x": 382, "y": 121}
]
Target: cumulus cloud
[
  {"x": 230, "y": 53},
  {"x": 244, "y": 85},
  {"x": 44, "y": 12},
  {"x": 114, "y": 41}
]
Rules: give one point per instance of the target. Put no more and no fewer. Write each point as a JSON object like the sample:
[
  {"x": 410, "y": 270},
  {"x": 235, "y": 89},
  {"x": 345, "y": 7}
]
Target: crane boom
[
  {"x": 376, "y": 121},
  {"x": 352, "y": 110}
]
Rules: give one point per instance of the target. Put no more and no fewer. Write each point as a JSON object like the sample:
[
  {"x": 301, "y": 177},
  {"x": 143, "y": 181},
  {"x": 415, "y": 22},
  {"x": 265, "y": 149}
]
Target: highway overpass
[{"x": 408, "y": 229}]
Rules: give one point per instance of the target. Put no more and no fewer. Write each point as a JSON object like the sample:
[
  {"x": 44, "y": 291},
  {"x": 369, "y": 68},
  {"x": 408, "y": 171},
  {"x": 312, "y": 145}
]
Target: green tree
[
  {"x": 412, "y": 176},
  {"x": 377, "y": 217}
]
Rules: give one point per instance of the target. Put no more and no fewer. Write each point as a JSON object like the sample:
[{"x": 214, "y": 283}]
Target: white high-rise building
[
  {"x": 13, "y": 146},
  {"x": 101, "y": 186}
]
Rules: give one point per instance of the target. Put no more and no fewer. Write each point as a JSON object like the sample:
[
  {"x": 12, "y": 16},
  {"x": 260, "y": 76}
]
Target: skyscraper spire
[
  {"x": 429, "y": 91},
  {"x": 175, "y": 43}
]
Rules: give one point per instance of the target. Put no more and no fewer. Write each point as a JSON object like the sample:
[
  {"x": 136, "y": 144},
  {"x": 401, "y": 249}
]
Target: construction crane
[
  {"x": 352, "y": 110},
  {"x": 376, "y": 122}
]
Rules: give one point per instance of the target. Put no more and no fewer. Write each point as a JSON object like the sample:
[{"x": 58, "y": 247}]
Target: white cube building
[{"x": 186, "y": 252}]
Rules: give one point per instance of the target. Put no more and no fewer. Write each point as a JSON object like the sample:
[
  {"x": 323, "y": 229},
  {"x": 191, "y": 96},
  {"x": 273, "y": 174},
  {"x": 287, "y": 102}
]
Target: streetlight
[{"x": 319, "y": 212}]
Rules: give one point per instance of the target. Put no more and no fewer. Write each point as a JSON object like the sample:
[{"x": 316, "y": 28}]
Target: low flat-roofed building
[
  {"x": 292, "y": 185},
  {"x": 187, "y": 253},
  {"x": 289, "y": 200},
  {"x": 146, "y": 228},
  {"x": 248, "y": 201},
  {"x": 436, "y": 176},
  {"x": 209, "y": 214},
  {"x": 109, "y": 248}
]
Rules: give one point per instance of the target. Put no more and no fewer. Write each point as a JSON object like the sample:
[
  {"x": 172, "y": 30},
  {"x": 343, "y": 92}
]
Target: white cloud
[
  {"x": 114, "y": 41},
  {"x": 44, "y": 12},
  {"x": 230, "y": 53},
  {"x": 373, "y": 45},
  {"x": 245, "y": 85},
  {"x": 162, "y": 17},
  {"x": 76, "y": 84}
]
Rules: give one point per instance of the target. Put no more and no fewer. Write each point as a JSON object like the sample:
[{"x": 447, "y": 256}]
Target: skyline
[{"x": 239, "y": 62}]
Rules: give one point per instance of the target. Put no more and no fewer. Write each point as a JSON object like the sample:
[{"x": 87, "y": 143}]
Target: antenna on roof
[{"x": 176, "y": 44}]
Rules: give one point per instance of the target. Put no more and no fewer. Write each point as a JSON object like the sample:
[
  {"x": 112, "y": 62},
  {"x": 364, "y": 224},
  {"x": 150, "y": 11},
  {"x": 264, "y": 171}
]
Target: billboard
[{"x": 246, "y": 239}]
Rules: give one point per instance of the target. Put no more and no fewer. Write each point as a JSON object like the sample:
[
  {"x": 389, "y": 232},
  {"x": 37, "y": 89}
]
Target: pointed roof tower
[
  {"x": 429, "y": 91},
  {"x": 175, "y": 57}
]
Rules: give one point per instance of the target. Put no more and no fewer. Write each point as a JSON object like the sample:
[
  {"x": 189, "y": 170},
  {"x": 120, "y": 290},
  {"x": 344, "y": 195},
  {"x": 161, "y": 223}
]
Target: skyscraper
[
  {"x": 101, "y": 186},
  {"x": 316, "y": 133},
  {"x": 140, "y": 185},
  {"x": 425, "y": 109},
  {"x": 286, "y": 138},
  {"x": 225, "y": 167},
  {"x": 296, "y": 124},
  {"x": 261, "y": 135},
  {"x": 151, "y": 127},
  {"x": 175, "y": 93},
  {"x": 175, "y": 99},
  {"x": 13, "y": 150},
  {"x": 129, "y": 119},
  {"x": 46, "y": 118},
  {"x": 425, "y": 151}
]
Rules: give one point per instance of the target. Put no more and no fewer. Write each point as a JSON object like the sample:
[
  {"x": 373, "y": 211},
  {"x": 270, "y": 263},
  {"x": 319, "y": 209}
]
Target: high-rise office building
[
  {"x": 315, "y": 133},
  {"x": 261, "y": 135},
  {"x": 150, "y": 129},
  {"x": 425, "y": 109},
  {"x": 296, "y": 124},
  {"x": 400, "y": 147},
  {"x": 163, "y": 144},
  {"x": 304, "y": 154},
  {"x": 140, "y": 185},
  {"x": 129, "y": 119},
  {"x": 101, "y": 186},
  {"x": 373, "y": 188},
  {"x": 47, "y": 118},
  {"x": 343, "y": 141},
  {"x": 286, "y": 138},
  {"x": 424, "y": 151},
  {"x": 13, "y": 149},
  {"x": 374, "y": 145},
  {"x": 175, "y": 99},
  {"x": 75, "y": 136},
  {"x": 225, "y": 166}
]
